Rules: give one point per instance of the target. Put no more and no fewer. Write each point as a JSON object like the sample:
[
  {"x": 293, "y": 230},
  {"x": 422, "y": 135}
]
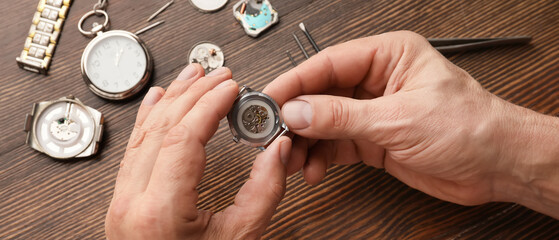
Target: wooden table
[{"x": 46, "y": 199}]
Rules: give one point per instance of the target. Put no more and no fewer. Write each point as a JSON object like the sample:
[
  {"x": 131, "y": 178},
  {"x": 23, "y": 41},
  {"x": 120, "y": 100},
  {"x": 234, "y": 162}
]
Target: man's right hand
[{"x": 394, "y": 102}]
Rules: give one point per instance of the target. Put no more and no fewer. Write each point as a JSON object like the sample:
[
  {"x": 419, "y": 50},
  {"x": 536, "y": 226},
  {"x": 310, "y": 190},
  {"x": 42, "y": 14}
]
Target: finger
[
  {"x": 348, "y": 65},
  {"x": 331, "y": 117},
  {"x": 317, "y": 163},
  {"x": 184, "y": 103},
  {"x": 152, "y": 97},
  {"x": 181, "y": 161},
  {"x": 298, "y": 155},
  {"x": 259, "y": 197},
  {"x": 186, "y": 78},
  {"x": 371, "y": 154},
  {"x": 169, "y": 113}
]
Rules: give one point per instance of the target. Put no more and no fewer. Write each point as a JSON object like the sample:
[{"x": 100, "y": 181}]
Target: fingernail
[
  {"x": 224, "y": 84},
  {"x": 187, "y": 73},
  {"x": 152, "y": 97},
  {"x": 297, "y": 114},
  {"x": 217, "y": 72},
  {"x": 285, "y": 152}
]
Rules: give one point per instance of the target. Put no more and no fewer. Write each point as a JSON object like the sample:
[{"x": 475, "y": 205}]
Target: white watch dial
[
  {"x": 64, "y": 129},
  {"x": 116, "y": 63}
]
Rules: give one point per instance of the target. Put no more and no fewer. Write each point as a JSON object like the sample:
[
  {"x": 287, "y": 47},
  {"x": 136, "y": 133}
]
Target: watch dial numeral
[
  {"x": 136, "y": 75},
  {"x": 137, "y": 53},
  {"x": 96, "y": 63},
  {"x": 95, "y": 76},
  {"x": 139, "y": 64},
  {"x": 106, "y": 46},
  {"x": 129, "y": 46},
  {"x": 98, "y": 53},
  {"x": 105, "y": 83},
  {"x": 127, "y": 83}
]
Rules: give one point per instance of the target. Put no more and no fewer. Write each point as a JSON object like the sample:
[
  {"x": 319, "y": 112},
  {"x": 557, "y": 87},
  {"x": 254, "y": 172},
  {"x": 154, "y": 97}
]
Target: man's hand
[
  {"x": 155, "y": 194},
  {"x": 394, "y": 102}
]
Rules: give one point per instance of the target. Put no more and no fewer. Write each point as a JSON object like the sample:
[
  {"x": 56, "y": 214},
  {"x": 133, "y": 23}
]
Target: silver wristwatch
[
  {"x": 255, "y": 119},
  {"x": 64, "y": 128}
]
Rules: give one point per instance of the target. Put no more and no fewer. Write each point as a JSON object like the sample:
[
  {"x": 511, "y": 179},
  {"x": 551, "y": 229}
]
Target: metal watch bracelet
[{"x": 43, "y": 35}]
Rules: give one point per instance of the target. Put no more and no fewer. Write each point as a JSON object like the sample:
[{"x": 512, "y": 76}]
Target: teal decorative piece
[{"x": 255, "y": 16}]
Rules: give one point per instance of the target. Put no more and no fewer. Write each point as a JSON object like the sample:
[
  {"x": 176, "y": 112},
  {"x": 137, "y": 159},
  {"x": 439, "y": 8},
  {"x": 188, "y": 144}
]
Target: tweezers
[{"x": 451, "y": 45}]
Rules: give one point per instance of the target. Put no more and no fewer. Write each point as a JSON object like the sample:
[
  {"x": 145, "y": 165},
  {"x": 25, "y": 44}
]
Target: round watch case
[
  {"x": 255, "y": 119},
  {"x": 140, "y": 82}
]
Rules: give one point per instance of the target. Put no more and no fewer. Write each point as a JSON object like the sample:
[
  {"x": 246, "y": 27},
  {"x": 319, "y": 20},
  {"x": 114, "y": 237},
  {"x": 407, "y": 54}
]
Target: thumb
[
  {"x": 258, "y": 198},
  {"x": 333, "y": 117}
]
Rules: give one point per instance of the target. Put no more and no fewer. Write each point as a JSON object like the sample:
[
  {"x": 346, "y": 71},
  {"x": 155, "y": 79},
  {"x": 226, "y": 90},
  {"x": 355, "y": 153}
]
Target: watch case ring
[
  {"x": 279, "y": 125},
  {"x": 132, "y": 91},
  {"x": 97, "y": 29},
  {"x": 65, "y": 100}
]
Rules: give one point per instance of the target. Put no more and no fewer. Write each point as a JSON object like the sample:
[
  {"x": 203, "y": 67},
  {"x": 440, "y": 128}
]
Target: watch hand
[
  {"x": 67, "y": 113},
  {"x": 118, "y": 55}
]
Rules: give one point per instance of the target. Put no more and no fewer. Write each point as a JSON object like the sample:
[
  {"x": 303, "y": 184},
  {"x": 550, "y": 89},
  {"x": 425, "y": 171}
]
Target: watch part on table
[
  {"x": 309, "y": 37},
  {"x": 255, "y": 16},
  {"x": 64, "y": 128},
  {"x": 43, "y": 35},
  {"x": 207, "y": 54},
  {"x": 208, "y": 6}
]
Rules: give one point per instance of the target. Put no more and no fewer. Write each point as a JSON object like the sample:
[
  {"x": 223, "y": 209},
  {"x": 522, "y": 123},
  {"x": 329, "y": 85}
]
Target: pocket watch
[
  {"x": 116, "y": 64},
  {"x": 64, "y": 128},
  {"x": 255, "y": 119}
]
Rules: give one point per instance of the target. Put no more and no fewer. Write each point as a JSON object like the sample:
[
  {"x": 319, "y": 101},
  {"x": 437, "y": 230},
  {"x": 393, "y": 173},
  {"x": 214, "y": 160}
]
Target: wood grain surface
[{"x": 46, "y": 199}]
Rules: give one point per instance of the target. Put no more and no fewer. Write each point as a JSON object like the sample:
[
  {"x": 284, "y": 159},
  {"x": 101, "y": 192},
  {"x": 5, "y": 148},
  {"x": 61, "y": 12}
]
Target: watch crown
[{"x": 28, "y": 122}]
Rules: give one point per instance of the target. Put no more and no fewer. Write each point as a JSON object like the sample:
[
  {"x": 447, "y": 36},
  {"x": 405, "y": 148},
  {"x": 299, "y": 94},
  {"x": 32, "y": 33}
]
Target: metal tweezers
[{"x": 450, "y": 45}]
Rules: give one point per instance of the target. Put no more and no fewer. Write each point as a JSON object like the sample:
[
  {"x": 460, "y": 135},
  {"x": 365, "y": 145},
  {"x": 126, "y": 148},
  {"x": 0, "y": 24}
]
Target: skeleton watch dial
[{"x": 255, "y": 119}]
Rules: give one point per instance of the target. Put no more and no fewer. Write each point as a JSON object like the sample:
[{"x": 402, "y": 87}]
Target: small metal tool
[
  {"x": 160, "y": 10},
  {"x": 291, "y": 58},
  {"x": 302, "y": 27},
  {"x": 143, "y": 30},
  {"x": 301, "y": 46},
  {"x": 450, "y": 45}
]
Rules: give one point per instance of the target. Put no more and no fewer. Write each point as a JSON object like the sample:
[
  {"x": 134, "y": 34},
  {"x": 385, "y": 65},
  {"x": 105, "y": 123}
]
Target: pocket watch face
[
  {"x": 64, "y": 129},
  {"x": 116, "y": 62},
  {"x": 208, "y": 5}
]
